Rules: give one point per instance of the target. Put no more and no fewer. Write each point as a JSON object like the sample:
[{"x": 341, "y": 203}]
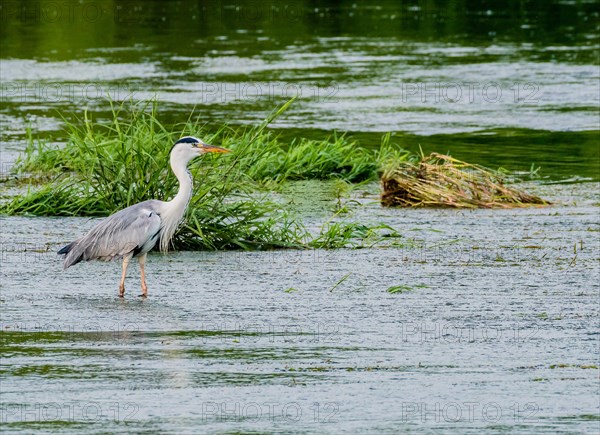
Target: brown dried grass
[{"x": 438, "y": 180}]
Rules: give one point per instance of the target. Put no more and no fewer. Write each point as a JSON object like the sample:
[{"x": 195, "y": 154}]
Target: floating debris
[{"x": 438, "y": 180}]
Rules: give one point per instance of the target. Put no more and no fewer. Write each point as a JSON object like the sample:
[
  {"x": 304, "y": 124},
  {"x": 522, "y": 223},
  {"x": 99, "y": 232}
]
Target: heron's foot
[
  {"x": 144, "y": 290},
  {"x": 121, "y": 291}
]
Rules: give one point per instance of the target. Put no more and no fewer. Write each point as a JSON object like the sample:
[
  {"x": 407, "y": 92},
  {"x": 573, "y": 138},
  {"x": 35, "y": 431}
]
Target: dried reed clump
[{"x": 438, "y": 180}]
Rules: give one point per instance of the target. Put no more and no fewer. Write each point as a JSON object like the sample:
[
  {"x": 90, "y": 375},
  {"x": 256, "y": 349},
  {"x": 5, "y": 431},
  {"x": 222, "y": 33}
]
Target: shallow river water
[
  {"x": 496, "y": 329},
  {"x": 494, "y": 326}
]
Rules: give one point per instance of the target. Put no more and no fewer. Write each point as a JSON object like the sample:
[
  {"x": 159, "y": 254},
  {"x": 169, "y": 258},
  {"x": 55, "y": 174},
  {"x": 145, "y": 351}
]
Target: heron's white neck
[
  {"x": 175, "y": 209},
  {"x": 181, "y": 200}
]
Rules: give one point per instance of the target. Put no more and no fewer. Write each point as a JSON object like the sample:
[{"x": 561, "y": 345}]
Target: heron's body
[{"x": 135, "y": 230}]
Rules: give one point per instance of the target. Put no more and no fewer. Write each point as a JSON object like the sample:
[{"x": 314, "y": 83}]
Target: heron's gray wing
[{"x": 129, "y": 231}]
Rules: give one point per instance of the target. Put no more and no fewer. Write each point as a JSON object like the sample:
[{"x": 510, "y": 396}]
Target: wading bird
[{"x": 134, "y": 231}]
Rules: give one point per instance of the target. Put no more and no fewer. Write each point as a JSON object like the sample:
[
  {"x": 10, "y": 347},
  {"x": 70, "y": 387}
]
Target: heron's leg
[
  {"x": 142, "y": 261},
  {"x": 122, "y": 283}
]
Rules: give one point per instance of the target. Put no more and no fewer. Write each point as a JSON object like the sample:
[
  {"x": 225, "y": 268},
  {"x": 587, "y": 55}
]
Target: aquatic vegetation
[
  {"x": 399, "y": 289},
  {"x": 63, "y": 198},
  {"x": 404, "y": 288},
  {"x": 340, "y": 281},
  {"x": 304, "y": 159},
  {"x": 106, "y": 166},
  {"x": 581, "y": 366},
  {"x": 135, "y": 146},
  {"x": 439, "y": 180},
  {"x": 247, "y": 224}
]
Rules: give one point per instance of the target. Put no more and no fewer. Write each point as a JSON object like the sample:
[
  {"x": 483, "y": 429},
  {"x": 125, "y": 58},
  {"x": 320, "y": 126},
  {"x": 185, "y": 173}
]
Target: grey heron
[{"x": 135, "y": 230}]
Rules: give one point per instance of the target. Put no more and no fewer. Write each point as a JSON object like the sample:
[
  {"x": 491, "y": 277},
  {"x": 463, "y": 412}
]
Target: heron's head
[{"x": 189, "y": 147}]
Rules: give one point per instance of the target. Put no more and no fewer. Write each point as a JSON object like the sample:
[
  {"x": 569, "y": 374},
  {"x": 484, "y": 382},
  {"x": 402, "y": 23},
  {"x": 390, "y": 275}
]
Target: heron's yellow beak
[{"x": 213, "y": 149}]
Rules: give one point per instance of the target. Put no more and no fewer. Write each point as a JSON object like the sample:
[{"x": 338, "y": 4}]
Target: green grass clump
[
  {"x": 246, "y": 224},
  {"x": 134, "y": 153},
  {"x": 105, "y": 167},
  {"x": 304, "y": 159},
  {"x": 64, "y": 197}
]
